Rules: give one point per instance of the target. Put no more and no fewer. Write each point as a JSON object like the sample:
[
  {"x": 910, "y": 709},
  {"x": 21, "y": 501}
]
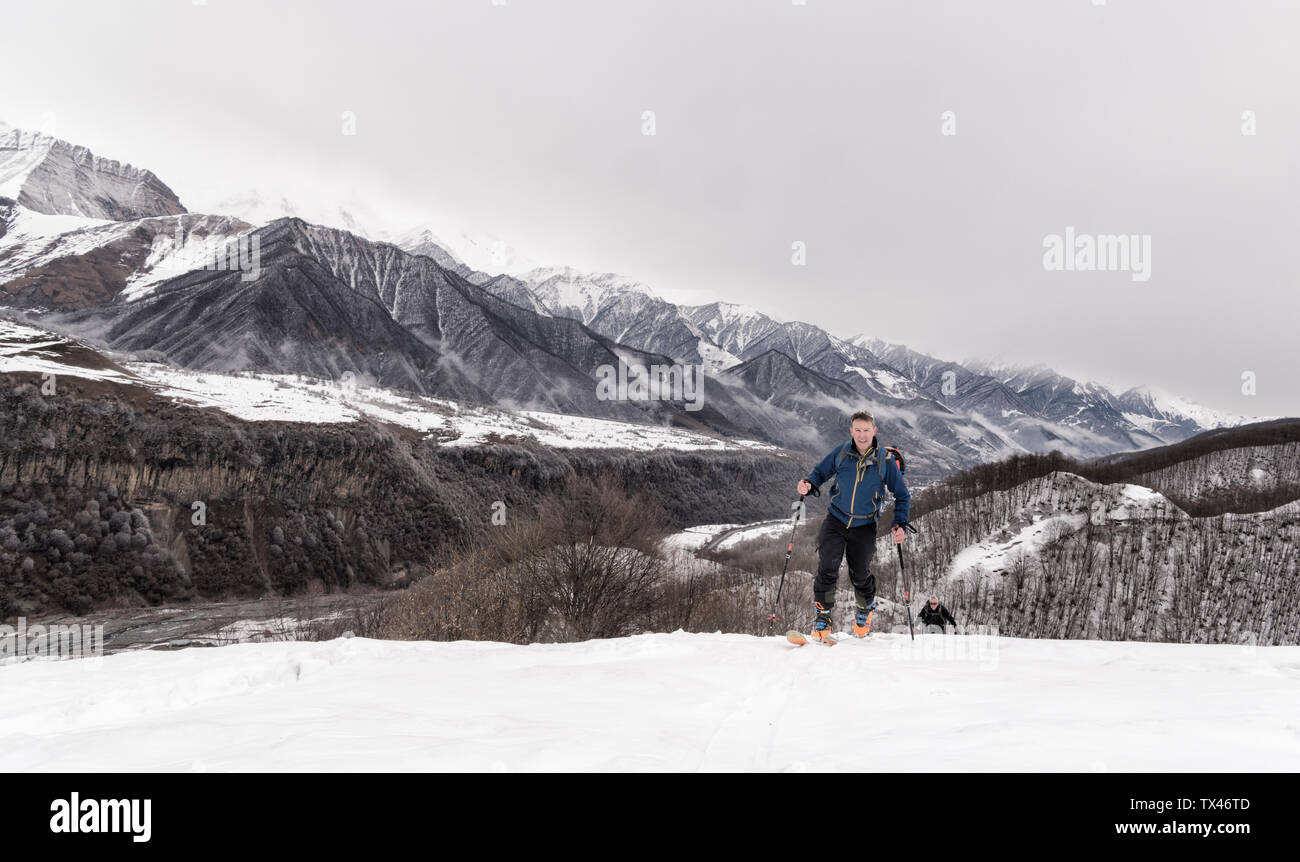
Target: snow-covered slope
[
  {"x": 1248, "y": 469},
  {"x": 33, "y": 240},
  {"x": 660, "y": 702},
  {"x": 296, "y": 398},
  {"x": 735, "y": 328},
  {"x": 1058, "y": 504},
  {"x": 425, "y": 242},
  {"x": 196, "y": 242},
  {"x": 1059, "y": 555},
  {"x": 70, "y": 262},
  {"x": 1048, "y": 517},
  {"x": 54, "y": 177},
  {"x": 618, "y": 307},
  {"x": 1147, "y": 410},
  {"x": 24, "y": 226},
  {"x": 583, "y": 295},
  {"x": 1147, "y": 404}
]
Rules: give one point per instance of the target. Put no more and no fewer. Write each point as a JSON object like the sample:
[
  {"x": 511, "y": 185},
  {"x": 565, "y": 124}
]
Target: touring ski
[{"x": 801, "y": 639}]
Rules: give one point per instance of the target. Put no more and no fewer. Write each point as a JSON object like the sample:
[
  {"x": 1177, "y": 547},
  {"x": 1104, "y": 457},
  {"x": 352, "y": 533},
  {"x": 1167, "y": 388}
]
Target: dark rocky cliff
[{"x": 102, "y": 487}]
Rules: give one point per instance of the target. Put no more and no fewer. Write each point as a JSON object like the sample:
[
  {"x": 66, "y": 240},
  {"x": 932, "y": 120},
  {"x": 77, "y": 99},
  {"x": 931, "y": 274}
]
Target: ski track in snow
[{"x": 660, "y": 702}]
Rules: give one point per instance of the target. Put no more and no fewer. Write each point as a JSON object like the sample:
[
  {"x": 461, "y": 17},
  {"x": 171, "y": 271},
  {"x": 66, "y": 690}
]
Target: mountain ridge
[{"x": 539, "y": 337}]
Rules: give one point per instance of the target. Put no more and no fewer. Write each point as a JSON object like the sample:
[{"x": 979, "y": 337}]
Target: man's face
[{"x": 863, "y": 431}]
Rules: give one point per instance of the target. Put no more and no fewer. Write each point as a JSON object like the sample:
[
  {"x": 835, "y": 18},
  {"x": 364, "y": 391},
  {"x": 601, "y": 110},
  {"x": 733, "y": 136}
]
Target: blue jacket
[{"x": 856, "y": 499}]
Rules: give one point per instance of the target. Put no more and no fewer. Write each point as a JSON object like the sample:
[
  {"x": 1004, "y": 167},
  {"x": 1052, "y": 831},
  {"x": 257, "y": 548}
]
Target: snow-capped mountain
[
  {"x": 1159, "y": 411},
  {"x": 485, "y": 252},
  {"x": 629, "y": 312},
  {"x": 423, "y": 241},
  {"x": 295, "y": 398},
  {"x": 441, "y": 311},
  {"x": 1037, "y": 409},
  {"x": 1142, "y": 412},
  {"x": 326, "y": 302},
  {"x": 747, "y": 334},
  {"x": 584, "y": 296},
  {"x": 619, "y": 308},
  {"x": 309, "y": 479},
  {"x": 260, "y": 209},
  {"x": 479, "y": 253},
  {"x": 63, "y": 263},
  {"x": 51, "y": 176},
  {"x": 949, "y": 382},
  {"x": 735, "y": 328}
]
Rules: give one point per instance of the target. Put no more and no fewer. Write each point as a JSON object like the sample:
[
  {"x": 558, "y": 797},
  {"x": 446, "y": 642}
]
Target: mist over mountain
[{"x": 107, "y": 251}]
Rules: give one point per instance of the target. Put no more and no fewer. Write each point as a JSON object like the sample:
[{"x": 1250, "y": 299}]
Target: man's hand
[
  {"x": 899, "y": 534},
  {"x": 804, "y": 487}
]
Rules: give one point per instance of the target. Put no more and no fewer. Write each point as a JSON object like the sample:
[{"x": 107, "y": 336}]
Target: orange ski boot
[
  {"x": 822, "y": 630},
  {"x": 862, "y": 622}
]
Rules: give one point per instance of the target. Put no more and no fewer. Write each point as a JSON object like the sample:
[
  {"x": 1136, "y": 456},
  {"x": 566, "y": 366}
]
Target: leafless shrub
[
  {"x": 585, "y": 566},
  {"x": 363, "y": 617}
]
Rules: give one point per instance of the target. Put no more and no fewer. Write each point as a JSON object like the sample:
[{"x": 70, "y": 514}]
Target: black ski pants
[{"x": 836, "y": 542}]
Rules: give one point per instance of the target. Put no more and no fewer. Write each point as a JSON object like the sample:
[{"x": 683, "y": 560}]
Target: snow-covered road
[{"x": 660, "y": 702}]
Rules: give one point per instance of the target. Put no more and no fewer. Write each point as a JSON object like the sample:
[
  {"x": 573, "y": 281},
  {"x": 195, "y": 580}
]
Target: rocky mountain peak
[{"x": 51, "y": 176}]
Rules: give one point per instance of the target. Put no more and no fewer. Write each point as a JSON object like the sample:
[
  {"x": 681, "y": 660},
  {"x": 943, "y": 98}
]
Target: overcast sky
[{"x": 774, "y": 123}]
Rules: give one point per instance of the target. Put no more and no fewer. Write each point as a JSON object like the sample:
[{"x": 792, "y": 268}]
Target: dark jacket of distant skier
[
  {"x": 855, "y": 496},
  {"x": 937, "y": 616}
]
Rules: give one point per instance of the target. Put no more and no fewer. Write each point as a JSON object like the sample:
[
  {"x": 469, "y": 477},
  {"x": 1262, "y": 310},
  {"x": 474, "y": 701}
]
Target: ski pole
[
  {"x": 789, "y": 549},
  {"x": 907, "y": 592}
]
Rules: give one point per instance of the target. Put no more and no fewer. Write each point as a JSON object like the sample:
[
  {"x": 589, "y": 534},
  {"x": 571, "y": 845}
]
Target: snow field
[
  {"x": 660, "y": 702},
  {"x": 295, "y": 398}
]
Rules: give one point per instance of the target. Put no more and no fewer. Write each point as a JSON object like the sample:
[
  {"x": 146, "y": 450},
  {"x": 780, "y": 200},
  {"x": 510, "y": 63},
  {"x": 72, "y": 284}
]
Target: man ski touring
[
  {"x": 861, "y": 469},
  {"x": 935, "y": 617}
]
